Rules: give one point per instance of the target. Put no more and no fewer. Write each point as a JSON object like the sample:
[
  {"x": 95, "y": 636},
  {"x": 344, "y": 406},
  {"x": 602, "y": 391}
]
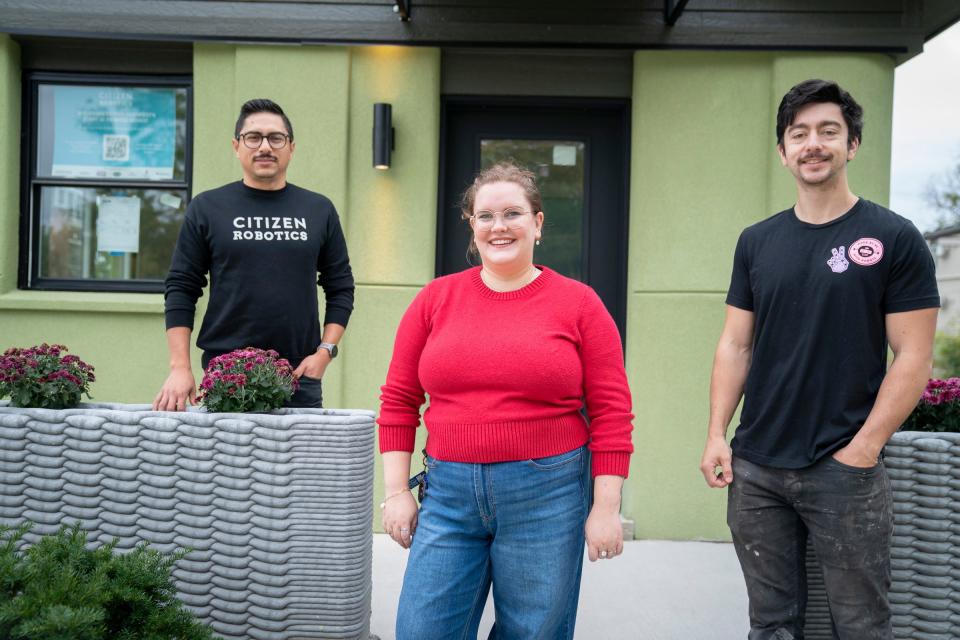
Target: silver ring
[{"x": 603, "y": 554}]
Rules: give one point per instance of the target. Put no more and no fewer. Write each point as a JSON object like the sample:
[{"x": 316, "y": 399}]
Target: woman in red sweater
[{"x": 509, "y": 353}]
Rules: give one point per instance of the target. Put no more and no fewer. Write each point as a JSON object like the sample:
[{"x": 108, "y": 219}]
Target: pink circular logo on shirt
[{"x": 866, "y": 251}]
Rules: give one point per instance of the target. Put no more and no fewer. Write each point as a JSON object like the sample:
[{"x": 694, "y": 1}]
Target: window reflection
[
  {"x": 559, "y": 166},
  {"x": 88, "y": 233}
]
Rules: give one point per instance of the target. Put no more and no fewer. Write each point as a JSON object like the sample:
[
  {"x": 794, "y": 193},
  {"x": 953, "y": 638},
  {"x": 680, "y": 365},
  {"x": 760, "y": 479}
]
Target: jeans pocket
[
  {"x": 555, "y": 462},
  {"x": 852, "y": 469},
  {"x": 309, "y": 394}
]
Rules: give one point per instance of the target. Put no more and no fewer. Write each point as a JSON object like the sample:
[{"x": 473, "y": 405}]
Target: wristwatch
[{"x": 330, "y": 347}]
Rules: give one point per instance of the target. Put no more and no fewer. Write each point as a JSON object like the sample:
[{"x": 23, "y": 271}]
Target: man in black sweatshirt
[{"x": 263, "y": 242}]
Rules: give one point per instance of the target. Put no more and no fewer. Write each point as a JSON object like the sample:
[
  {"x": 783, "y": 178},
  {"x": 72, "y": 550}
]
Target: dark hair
[
  {"x": 500, "y": 172},
  {"x": 261, "y": 105},
  {"x": 820, "y": 91}
]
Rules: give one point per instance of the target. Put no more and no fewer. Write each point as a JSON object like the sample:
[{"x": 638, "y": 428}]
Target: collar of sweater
[{"x": 546, "y": 275}]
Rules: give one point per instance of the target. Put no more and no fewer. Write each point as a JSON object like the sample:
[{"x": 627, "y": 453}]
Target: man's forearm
[
  {"x": 898, "y": 395},
  {"x": 178, "y": 344},
  {"x": 730, "y": 368},
  {"x": 332, "y": 333}
]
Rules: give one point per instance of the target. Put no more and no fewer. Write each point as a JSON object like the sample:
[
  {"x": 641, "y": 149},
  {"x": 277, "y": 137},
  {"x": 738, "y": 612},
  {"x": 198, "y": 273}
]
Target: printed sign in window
[
  {"x": 111, "y": 132},
  {"x": 118, "y": 224}
]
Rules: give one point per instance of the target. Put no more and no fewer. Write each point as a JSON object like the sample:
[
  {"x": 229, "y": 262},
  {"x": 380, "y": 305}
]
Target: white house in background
[{"x": 945, "y": 245}]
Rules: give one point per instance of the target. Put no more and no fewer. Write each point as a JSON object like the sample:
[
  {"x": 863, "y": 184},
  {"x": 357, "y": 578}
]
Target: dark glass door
[{"x": 579, "y": 150}]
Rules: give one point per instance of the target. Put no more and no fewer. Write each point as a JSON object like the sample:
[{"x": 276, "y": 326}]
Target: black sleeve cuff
[
  {"x": 739, "y": 303},
  {"x": 336, "y": 316},
  {"x": 929, "y": 302},
  {"x": 179, "y": 318}
]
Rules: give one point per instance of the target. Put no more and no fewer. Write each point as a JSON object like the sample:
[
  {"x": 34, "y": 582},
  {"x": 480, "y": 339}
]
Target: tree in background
[
  {"x": 947, "y": 355},
  {"x": 943, "y": 194}
]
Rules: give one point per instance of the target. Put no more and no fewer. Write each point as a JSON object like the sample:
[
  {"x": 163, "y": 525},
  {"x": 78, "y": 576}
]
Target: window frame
[{"x": 31, "y": 184}]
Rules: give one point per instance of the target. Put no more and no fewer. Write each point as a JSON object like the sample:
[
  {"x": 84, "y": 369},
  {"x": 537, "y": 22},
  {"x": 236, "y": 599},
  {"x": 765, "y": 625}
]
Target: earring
[{"x": 538, "y": 242}]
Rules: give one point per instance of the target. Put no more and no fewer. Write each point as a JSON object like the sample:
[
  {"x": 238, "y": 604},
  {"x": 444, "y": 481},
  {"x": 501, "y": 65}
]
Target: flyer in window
[
  {"x": 113, "y": 132},
  {"x": 118, "y": 224}
]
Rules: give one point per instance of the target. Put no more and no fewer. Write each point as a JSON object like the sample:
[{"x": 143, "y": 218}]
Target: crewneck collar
[
  {"x": 857, "y": 206},
  {"x": 546, "y": 274},
  {"x": 263, "y": 193}
]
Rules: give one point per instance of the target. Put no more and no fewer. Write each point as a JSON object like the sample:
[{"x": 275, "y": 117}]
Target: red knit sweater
[{"x": 507, "y": 374}]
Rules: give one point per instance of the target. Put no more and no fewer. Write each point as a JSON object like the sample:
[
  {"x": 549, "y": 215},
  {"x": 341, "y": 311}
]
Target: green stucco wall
[
  {"x": 9, "y": 161},
  {"x": 704, "y": 165}
]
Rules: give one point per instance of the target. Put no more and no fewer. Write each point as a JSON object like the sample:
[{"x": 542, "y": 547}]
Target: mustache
[
  {"x": 816, "y": 156},
  {"x": 268, "y": 156}
]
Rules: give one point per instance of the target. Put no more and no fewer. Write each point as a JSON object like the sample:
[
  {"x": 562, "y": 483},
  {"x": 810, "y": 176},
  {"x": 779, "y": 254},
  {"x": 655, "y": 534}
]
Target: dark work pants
[
  {"x": 308, "y": 396},
  {"x": 847, "y": 513}
]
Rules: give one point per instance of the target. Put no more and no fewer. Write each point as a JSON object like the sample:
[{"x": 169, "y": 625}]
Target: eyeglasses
[
  {"x": 512, "y": 218},
  {"x": 254, "y": 139}
]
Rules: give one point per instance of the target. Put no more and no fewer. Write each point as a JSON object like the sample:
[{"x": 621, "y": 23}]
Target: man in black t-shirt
[
  {"x": 817, "y": 294},
  {"x": 263, "y": 242}
]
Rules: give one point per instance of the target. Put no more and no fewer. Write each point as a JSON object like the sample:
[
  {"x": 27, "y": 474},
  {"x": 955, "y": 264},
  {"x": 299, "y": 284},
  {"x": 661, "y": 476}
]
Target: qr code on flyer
[{"x": 116, "y": 147}]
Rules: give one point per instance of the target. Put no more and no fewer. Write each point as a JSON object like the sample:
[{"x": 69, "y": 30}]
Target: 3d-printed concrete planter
[
  {"x": 276, "y": 507},
  {"x": 925, "y": 476},
  {"x": 924, "y": 471}
]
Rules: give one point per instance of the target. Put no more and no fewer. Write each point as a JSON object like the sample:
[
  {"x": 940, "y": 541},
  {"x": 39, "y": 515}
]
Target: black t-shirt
[
  {"x": 263, "y": 251},
  {"x": 819, "y": 294}
]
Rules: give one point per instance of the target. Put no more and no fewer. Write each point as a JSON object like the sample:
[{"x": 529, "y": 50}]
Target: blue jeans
[
  {"x": 847, "y": 513},
  {"x": 517, "y": 525}
]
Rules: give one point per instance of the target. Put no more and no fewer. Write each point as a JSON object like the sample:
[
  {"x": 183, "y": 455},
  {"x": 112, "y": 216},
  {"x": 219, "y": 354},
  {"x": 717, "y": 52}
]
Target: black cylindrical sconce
[{"x": 382, "y": 135}]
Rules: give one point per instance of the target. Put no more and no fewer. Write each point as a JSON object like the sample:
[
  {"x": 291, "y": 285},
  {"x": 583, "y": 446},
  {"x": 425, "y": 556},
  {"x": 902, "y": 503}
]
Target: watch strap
[{"x": 330, "y": 348}]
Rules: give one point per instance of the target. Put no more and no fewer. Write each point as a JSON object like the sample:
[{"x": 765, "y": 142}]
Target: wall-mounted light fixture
[
  {"x": 382, "y": 135},
  {"x": 402, "y": 9}
]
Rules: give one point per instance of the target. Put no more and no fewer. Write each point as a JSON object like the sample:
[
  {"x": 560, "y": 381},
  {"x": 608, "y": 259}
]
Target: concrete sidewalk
[{"x": 655, "y": 591}]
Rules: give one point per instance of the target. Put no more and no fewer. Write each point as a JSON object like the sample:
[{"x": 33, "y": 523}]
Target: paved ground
[{"x": 655, "y": 591}]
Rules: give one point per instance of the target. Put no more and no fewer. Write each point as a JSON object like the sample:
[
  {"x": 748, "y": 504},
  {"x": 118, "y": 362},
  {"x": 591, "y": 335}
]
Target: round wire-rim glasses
[{"x": 512, "y": 218}]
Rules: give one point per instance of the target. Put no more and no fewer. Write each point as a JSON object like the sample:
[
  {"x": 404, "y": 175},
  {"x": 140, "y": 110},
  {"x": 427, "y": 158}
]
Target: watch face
[{"x": 334, "y": 351}]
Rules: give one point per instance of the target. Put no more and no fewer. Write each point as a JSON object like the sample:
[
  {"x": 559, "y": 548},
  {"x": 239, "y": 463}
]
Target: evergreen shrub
[{"x": 59, "y": 589}]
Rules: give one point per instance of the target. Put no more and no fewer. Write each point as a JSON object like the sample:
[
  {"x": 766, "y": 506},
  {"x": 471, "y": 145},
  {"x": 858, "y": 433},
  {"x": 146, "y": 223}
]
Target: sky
[{"x": 926, "y": 125}]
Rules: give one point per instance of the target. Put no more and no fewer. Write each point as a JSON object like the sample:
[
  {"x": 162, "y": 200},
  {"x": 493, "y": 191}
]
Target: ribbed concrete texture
[
  {"x": 275, "y": 507},
  {"x": 924, "y": 473}
]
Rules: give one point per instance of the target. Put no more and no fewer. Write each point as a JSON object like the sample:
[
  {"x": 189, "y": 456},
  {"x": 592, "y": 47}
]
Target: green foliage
[
  {"x": 58, "y": 589},
  {"x": 947, "y": 358}
]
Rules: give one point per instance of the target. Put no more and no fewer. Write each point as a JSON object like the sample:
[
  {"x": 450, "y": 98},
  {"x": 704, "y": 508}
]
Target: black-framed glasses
[{"x": 253, "y": 139}]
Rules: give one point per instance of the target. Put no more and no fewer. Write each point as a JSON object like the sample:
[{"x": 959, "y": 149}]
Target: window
[{"x": 106, "y": 180}]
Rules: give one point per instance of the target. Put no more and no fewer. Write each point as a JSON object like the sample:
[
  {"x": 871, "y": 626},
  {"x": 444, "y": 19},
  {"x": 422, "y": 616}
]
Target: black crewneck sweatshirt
[{"x": 263, "y": 251}]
